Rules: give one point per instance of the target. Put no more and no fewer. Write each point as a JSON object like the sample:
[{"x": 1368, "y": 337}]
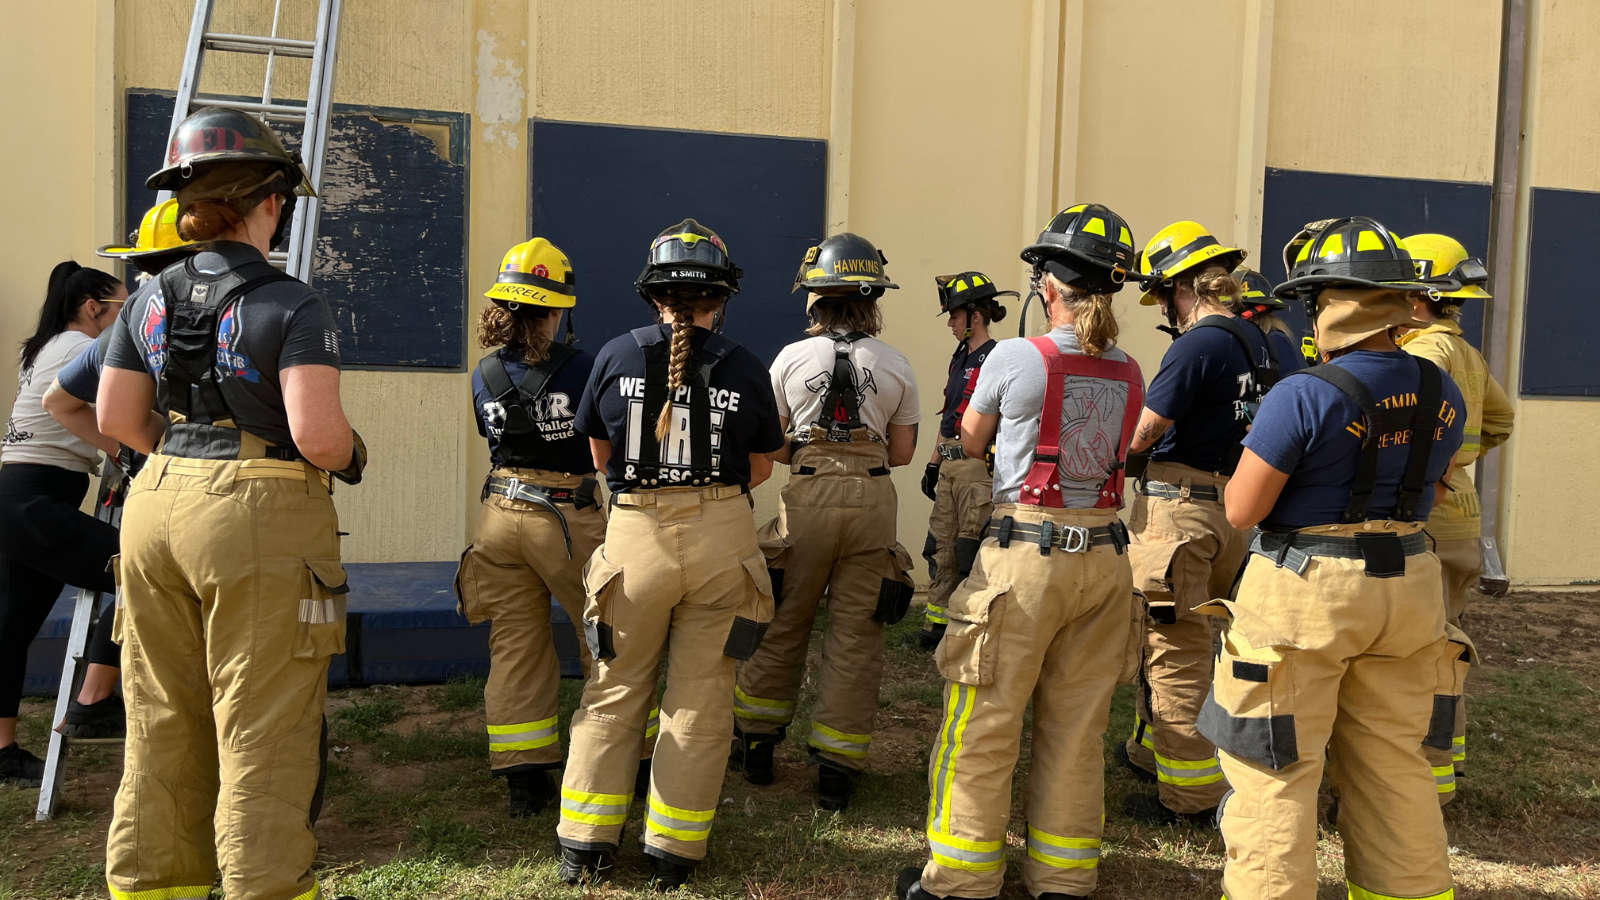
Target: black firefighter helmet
[
  {"x": 688, "y": 260},
  {"x": 843, "y": 265},
  {"x": 1087, "y": 246},
  {"x": 971, "y": 289},
  {"x": 212, "y": 135}
]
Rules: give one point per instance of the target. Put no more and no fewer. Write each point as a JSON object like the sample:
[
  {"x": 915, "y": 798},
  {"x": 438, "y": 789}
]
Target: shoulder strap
[
  {"x": 657, "y": 359},
  {"x": 1264, "y": 372},
  {"x": 537, "y": 378},
  {"x": 1424, "y": 425},
  {"x": 1041, "y": 487},
  {"x": 842, "y": 397},
  {"x": 1367, "y": 466},
  {"x": 192, "y": 334}
]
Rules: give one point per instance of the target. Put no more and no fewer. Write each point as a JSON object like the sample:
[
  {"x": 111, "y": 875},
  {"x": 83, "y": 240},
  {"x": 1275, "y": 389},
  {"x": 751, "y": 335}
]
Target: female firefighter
[
  {"x": 848, "y": 402},
  {"x": 232, "y": 589},
  {"x": 1048, "y": 611},
  {"x": 541, "y": 515},
  {"x": 1336, "y": 645},
  {"x": 682, "y": 419},
  {"x": 1255, "y": 304}
]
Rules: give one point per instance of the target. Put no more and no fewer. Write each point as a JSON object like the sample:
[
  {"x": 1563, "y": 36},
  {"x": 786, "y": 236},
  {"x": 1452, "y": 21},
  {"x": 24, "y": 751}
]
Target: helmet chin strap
[
  {"x": 285, "y": 216},
  {"x": 572, "y": 335},
  {"x": 1171, "y": 328}
]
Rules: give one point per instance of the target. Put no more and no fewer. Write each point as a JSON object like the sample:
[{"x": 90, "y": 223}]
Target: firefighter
[
  {"x": 1255, "y": 304},
  {"x": 960, "y": 488},
  {"x": 1454, "y": 523},
  {"x": 541, "y": 516},
  {"x": 1049, "y": 610},
  {"x": 848, "y": 403},
  {"x": 1184, "y": 551},
  {"x": 682, "y": 419},
  {"x": 231, "y": 587},
  {"x": 1336, "y": 643}
]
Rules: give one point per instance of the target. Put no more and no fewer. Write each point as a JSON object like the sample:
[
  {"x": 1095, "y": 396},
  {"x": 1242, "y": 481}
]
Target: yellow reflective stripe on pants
[
  {"x": 1445, "y": 778},
  {"x": 935, "y": 615},
  {"x": 1458, "y": 751},
  {"x": 683, "y": 824},
  {"x": 960, "y": 853},
  {"x": 652, "y": 725},
  {"x": 1361, "y": 893},
  {"x": 959, "y": 712},
  {"x": 1141, "y": 734},
  {"x": 594, "y": 809},
  {"x": 853, "y": 746},
  {"x": 168, "y": 893},
  {"x": 748, "y": 707},
  {"x": 523, "y": 735},
  {"x": 1063, "y": 852},
  {"x": 1188, "y": 772}
]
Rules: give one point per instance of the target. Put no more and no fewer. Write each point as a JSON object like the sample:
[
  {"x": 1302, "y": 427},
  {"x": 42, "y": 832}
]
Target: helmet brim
[
  {"x": 960, "y": 303},
  {"x": 1291, "y": 289},
  {"x": 1467, "y": 292},
  {"x": 171, "y": 178},
  {"x": 532, "y": 296}
]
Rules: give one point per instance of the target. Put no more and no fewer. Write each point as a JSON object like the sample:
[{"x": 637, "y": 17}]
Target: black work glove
[
  {"x": 351, "y": 474},
  {"x": 930, "y": 481}
]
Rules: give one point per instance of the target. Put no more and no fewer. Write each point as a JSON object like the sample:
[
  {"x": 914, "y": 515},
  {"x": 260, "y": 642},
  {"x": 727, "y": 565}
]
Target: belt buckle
[
  {"x": 513, "y": 488},
  {"x": 1074, "y": 538}
]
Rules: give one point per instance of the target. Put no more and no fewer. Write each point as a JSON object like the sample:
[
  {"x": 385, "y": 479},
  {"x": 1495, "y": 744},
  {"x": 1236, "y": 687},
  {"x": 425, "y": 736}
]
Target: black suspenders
[
  {"x": 519, "y": 408},
  {"x": 842, "y": 388},
  {"x": 657, "y": 360}
]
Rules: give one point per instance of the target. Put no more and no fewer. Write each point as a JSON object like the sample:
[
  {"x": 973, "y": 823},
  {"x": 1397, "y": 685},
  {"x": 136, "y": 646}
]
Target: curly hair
[{"x": 522, "y": 335}]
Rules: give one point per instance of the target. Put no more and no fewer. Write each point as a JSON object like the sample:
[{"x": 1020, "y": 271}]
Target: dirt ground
[{"x": 412, "y": 813}]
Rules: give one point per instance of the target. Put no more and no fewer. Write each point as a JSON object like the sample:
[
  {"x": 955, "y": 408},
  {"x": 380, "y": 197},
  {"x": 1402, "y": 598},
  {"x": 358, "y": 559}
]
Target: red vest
[{"x": 1041, "y": 487}]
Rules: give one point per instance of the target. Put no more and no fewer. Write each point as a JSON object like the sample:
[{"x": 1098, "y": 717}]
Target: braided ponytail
[{"x": 678, "y": 364}]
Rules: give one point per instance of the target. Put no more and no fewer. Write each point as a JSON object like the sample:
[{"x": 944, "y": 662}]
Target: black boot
[
  {"x": 835, "y": 784},
  {"x": 753, "y": 754},
  {"x": 1120, "y": 753},
  {"x": 19, "y": 767},
  {"x": 666, "y": 875},
  {"x": 583, "y": 866},
  {"x": 531, "y": 791},
  {"x": 104, "y": 719},
  {"x": 1333, "y": 813},
  {"x": 641, "y": 780},
  {"x": 1148, "y": 809},
  {"x": 909, "y": 886},
  {"x": 930, "y": 637}
]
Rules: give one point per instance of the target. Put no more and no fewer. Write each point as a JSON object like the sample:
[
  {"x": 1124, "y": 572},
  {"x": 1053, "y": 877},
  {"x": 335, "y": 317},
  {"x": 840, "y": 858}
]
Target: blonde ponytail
[{"x": 1092, "y": 319}]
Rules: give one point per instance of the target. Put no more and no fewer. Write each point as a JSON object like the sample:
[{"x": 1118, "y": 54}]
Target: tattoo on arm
[{"x": 1149, "y": 431}]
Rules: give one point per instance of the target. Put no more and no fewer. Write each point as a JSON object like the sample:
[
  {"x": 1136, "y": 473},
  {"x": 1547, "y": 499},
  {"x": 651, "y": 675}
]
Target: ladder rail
[{"x": 314, "y": 144}]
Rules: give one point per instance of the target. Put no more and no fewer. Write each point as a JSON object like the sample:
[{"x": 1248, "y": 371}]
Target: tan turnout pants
[
  {"x": 962, "y": 503},
  {"x": 1460, "y": 565},
  {"x": 1059, "y": 629},
  {"x": 1184, "y": 554},
  {"x": 682, "y": 574},
  {"x": 835, "y": 533},
  {"x": 1333, "y": 660},
  {"x": 508, "y": 577},
  {"x": 232, "y": 602}
]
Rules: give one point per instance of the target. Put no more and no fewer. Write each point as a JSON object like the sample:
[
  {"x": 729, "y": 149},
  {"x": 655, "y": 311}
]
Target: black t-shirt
[
  {"x": 744, "y": 413},
  {"x": 1202, "y": 387},
  {"x": 963, "y": 369},
  {"x": 555, "y": 443},
  {"x": 274, "y": 327}
]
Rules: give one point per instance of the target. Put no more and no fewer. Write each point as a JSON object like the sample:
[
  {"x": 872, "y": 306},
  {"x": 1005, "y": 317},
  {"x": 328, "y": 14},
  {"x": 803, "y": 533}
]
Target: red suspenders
[{"x": 1041, "y": 487}]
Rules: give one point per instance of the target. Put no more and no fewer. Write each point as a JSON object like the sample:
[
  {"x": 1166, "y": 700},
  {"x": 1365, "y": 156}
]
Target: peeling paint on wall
[{"x": 500, "y": 95}]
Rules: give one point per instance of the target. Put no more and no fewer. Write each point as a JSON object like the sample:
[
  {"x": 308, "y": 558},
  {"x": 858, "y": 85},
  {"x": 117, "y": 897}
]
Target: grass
[{"x": 413, "y": 814}]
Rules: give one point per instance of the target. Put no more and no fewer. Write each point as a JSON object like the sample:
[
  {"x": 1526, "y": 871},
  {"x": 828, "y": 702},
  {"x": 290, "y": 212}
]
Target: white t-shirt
[
  {"x": 886, "y": 386},
  {"x": 1012, "y": 383},
  {"x": 33, "y": 435}
]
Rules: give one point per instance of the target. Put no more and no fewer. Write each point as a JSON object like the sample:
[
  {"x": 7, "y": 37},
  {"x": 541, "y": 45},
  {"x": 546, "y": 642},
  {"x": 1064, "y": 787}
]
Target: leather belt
[
  {"x": 1177, "y": 491},
  {"x": 875, "y": 472},
  {"x": 952, "y": 451},
  {"x": 546, "y": 498},
  {"x": 1294, "y": 550},
  {"x": 1056, "y": 536}
]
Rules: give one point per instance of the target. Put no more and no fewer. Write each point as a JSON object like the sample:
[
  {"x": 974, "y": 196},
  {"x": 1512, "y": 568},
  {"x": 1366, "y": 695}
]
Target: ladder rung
[
  {"x": 268, "y": 110},
  {"x": 285, "y": 46},
  {"x": 222, "y": 47}
]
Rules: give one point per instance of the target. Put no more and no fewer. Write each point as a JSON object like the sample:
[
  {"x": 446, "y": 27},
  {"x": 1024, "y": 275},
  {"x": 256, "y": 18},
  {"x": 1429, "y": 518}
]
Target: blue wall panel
[
  {"x": 603, "y": 192},
  {"x": 1560, "y": 351},
  {"x": 392, "y": 239},
  {"x": 1408, "y": 205}
]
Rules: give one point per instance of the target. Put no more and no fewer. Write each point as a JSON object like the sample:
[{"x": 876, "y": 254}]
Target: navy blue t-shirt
[
  {"x": 962, "y": 368},
  {"x": 1312, "y": 430},
  {"x": 555, "y": 443},
  {"x": 744, "y": 412},
  {"x": 1202, "y": 387},
  {"x": 1286, "y": 352},
  {"x": 81, "y": 377}
]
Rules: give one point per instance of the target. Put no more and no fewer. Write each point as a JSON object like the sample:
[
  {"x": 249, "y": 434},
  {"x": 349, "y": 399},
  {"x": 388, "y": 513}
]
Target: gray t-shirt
[
  {"x": 1012, "y": 383},
  {"x": 272, "y": 328}
]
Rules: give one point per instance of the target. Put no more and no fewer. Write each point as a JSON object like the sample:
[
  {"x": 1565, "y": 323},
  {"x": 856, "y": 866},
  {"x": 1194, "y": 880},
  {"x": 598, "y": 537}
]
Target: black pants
[{"x": 46, "y": 543}]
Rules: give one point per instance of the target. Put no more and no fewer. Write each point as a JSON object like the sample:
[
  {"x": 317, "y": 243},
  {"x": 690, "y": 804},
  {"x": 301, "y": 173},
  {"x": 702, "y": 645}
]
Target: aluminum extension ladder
[
  {"x": 297, "y": 261},
  {"x": 85, "y": 613},
  {"x": 323, "y": 53}
]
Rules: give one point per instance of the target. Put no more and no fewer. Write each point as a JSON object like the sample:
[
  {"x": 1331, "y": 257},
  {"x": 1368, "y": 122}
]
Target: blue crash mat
[{"x": 401, "y": 628}]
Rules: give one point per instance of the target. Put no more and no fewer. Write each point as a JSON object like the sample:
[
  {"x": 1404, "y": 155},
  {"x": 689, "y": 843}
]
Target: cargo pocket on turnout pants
[
  {"x": 1152, "y": 576},
  {"x": 1458, "y": 655},
  {"x": 1250, "y": 710},
  {"x": 754, "y": 614},
  {"x": 971, "y": 644},
  {"x": 896, "y": 589},
  {"x": 322, "y": 610},
  {"x": 602, "y": 579},
  {"x": 466, "y": 588}
]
